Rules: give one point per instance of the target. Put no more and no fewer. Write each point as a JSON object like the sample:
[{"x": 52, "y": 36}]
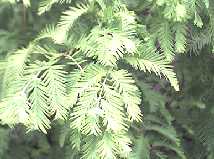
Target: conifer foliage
[{"x": 80, "y": 70}]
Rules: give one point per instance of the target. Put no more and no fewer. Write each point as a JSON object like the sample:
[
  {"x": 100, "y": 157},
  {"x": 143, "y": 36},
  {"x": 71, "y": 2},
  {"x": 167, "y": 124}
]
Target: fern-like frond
[
  {"x": 100, "y": 104},
  {"x": 89, "y": 149},
  {"x": 76, "y": 137},
  {"x": 141, "y": 149},
  {"x": 48, "y": 32},
  {"x": 164, "y": 145},
  {"x": 153, "y": 62},
  {"x": 110, "y": 144},
  {"x": 201, "y": 38},
  {"x": 69, "y": 17},
  {"x": 14, "y": 110},
  {"x": 54, "y": 80},
  {"x": 38, "y": 106},
  {"x": 90, "y": 75},
  {"x": 97, "y": 100},
  {"x": 15, "y": 65},
  {"x": 198, "y": 41},
  {"x": 87, "y": 113},
  {"x": 108, "y": 43},
  {"x": 124, "y": 82},
  {"x": 180, "y": 38},
  {"x": 107, "y": 146},
  {"x": 46, "y": 5},
  {"x": 167, "y": 132},
  {"x": 165, "y": 38},
  {"x": 87, "y": 106},
  {"x": 113, "y": 110},
  {"x": 128, "y": 20}
]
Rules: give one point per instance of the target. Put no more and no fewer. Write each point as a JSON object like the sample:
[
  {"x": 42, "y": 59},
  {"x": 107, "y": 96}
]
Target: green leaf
[
  {"x": 141, "y": 149},
  {"x": 198, "y": 21},
  {"x": 153, "y": 62},
  {"x": 54, "y": 80},
  {"x": 124, "y": 82},
  {"x": 38, "y": 106},
  {"x": 180, "y": 38}
]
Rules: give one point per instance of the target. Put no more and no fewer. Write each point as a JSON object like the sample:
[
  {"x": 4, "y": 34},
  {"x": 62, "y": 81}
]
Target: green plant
[{"x": 79, "y": 71}]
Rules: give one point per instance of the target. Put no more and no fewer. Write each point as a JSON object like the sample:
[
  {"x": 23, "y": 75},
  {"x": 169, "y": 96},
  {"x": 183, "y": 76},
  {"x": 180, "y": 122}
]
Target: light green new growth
[{"x": 74, "y": 71}]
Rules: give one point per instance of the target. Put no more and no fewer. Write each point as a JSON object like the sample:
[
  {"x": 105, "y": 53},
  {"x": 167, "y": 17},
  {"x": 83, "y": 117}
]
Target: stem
[
  {"x": 78, "y": 65},
  {"x": 28, "y": 83},
  {"x": 102, "y": 89}
]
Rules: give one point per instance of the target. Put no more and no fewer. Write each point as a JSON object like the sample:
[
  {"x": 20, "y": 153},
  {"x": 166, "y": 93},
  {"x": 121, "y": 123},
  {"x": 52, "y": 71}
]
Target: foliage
[{"x": 89, "y": 72}]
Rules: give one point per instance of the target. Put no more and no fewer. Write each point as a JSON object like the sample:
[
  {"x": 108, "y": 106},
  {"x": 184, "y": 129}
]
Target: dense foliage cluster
[{"x": 97, "y": 79}]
